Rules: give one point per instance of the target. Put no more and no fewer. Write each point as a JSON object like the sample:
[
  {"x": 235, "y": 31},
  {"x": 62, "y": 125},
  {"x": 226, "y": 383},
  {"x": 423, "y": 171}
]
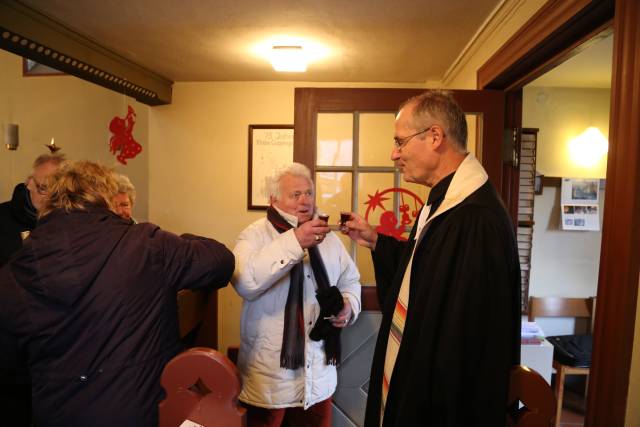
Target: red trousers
[{"x": 318, "y": 415}]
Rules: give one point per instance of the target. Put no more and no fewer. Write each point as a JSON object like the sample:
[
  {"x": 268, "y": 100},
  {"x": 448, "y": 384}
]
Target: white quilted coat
[{"x": 263, "y": 261}]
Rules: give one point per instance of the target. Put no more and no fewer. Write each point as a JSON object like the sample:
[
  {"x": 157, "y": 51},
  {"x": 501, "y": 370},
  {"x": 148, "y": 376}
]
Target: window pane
[
  {"x": 375, "y": 139},
  {"x": 373, "y": 189},
  {"x": 333, "y": 193},
  {"x": 335, "y": 139}
]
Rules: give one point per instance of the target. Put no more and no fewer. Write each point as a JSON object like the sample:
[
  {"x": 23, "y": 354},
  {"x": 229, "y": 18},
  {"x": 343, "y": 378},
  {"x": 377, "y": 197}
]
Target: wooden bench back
[
  {"x": 202, "y": 385},
  {"x": 528, "y": 387}
]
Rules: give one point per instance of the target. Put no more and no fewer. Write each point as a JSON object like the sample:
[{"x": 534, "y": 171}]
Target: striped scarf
[{"x": 292, "y": 351}]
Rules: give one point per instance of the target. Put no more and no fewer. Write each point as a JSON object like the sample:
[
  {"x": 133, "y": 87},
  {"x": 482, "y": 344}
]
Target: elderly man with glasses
[
  {"x": 126, "y": 197},
  {"x": 450, "y": 295},
  {"x": 299, "y": 288},
  {"x": 18, "y": 217}
]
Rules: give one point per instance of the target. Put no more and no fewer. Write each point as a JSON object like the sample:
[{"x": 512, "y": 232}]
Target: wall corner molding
[{"x": 494, "y": 24}]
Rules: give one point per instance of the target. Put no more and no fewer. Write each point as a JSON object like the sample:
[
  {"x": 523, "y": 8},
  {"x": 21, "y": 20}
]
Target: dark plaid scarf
[{"x": 292, "y": 351}]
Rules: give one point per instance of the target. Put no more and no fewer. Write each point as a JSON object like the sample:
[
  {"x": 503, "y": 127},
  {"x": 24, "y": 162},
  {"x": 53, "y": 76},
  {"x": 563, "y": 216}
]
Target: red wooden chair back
[
  {"x": 202, "y": 386},
  {"x": 539, "y": 403}
]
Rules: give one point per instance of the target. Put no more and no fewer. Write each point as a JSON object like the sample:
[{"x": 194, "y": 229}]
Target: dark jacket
[
  {"x": 463, "y": 321},
  {"x": 16, "y": 215},
  {"x": 93, "y": 300}
]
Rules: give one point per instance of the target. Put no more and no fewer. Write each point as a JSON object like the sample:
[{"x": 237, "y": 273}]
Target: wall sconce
[
  {"x": 11, "y": 139},
  {"x": 588, "y": 148},
  {"x": 288, "y": 58}
]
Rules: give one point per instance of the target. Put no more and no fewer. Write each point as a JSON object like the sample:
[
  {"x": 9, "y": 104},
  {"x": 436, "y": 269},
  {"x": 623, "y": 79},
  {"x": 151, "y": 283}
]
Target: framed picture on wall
[
  {"x": 270, "y": 148},
  {"x": 31, "y": 68}
]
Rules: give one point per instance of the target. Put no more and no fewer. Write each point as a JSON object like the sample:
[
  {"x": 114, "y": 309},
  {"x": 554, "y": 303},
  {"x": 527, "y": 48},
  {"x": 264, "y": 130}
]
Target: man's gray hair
[
  {"x": 56, "y": 159},
  {"x": 125, "y": 186},
  {"x": 294, "y": 169},
  {"x": 439, "y": 105}
]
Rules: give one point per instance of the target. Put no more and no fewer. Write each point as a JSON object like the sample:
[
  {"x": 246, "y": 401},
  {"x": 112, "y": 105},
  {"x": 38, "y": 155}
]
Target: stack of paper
[{"x": 531, "y": 333}]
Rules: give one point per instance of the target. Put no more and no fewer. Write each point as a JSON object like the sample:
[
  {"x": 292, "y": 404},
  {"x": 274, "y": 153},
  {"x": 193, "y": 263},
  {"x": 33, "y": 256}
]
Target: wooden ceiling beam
[{"x": 28, "y": 33}]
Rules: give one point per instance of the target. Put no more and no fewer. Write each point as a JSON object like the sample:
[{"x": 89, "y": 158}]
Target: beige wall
[
  {"x": 563, "y": 263},
  {"x": 76, "y": 113},
  {"x": 198, "y": 163},
  {"x": 562, "y": 114}
]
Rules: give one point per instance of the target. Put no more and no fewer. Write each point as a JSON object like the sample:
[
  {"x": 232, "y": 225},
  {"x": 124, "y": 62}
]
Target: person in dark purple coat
[{"x": 92, "y": 299}]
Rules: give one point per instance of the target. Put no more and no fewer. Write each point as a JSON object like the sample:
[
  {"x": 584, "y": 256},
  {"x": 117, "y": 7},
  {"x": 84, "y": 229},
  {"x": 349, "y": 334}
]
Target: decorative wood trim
[
  {"x": 493, "y": 25},
  {"x": 511, "y": 180},
  {"x": 619, "y": 263},
  {"x": 33, "y": 35},
  {"x": 550, "y": 34},
  {"x": 304, "y": 128}
]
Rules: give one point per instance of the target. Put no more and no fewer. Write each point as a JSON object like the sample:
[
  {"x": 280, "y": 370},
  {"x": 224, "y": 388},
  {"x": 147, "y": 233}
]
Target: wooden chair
[
  {"x": 563, "y": 307},
  {"x": 538, "y": 403},
  {"x": 202, "y": 386}
]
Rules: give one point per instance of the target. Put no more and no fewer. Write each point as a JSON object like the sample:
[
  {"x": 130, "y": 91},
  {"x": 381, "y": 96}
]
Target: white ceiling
[{"x": 403, "y": 41}]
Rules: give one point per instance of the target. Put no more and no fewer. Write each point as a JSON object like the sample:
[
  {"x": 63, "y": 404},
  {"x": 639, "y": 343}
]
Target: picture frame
[
  {"x": 31, "y": 68},
  {"x": 270, "y": 148}
]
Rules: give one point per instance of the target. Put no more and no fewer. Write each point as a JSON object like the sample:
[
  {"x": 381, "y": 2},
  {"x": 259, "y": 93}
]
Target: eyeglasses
[
  {"x": 297, "y": 194},
  {"x": 40, "y": 188},
  {"x": 401, "y": 142}
]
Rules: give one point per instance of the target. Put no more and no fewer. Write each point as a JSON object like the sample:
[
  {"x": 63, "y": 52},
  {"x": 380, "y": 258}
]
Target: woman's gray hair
[
  {"x": 294, "y": 169},
  {"x": 125, "y": 186}
]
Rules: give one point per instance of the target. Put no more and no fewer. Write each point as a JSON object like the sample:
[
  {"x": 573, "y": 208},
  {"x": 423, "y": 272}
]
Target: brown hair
[{"x": 78, "y": 185}]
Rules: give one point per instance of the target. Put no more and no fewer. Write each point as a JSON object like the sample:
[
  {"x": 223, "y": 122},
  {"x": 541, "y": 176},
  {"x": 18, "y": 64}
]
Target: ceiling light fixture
[{"x": 288, "y": 58}]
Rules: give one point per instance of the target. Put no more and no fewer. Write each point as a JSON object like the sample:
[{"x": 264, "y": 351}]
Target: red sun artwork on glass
[
  {"x": 410, "y": 205},
  {"x": 122, "y": 140}
]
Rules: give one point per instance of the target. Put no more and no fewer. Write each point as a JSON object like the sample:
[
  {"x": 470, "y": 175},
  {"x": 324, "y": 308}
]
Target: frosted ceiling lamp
[
  {"x": 588, "y": 148},
  {"x": 288, "y": 59}
]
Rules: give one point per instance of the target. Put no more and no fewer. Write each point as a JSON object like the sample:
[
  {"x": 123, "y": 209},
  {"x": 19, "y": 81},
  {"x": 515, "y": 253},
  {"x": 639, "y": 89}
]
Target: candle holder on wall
[{"x": 11, "y": 136}]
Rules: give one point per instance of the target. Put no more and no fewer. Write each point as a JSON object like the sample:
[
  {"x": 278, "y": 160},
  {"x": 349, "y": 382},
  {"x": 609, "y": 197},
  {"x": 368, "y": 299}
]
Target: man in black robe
[{"x": 450, "y": 295}]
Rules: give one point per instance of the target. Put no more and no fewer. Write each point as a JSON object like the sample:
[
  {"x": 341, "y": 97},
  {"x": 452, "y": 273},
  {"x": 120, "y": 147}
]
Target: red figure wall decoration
[
  {"x": 409, "y": 208},
  {"x": 122, "y": 140}
]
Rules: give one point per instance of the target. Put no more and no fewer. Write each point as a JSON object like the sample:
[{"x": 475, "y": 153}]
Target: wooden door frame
[
  {"x": 311, "y": 101},
  {"x": 556, "y": 32}
]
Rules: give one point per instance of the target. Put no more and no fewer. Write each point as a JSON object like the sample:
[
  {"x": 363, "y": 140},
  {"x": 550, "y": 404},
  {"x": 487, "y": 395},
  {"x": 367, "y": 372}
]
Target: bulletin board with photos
[{"x": 580, "y": 208}]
